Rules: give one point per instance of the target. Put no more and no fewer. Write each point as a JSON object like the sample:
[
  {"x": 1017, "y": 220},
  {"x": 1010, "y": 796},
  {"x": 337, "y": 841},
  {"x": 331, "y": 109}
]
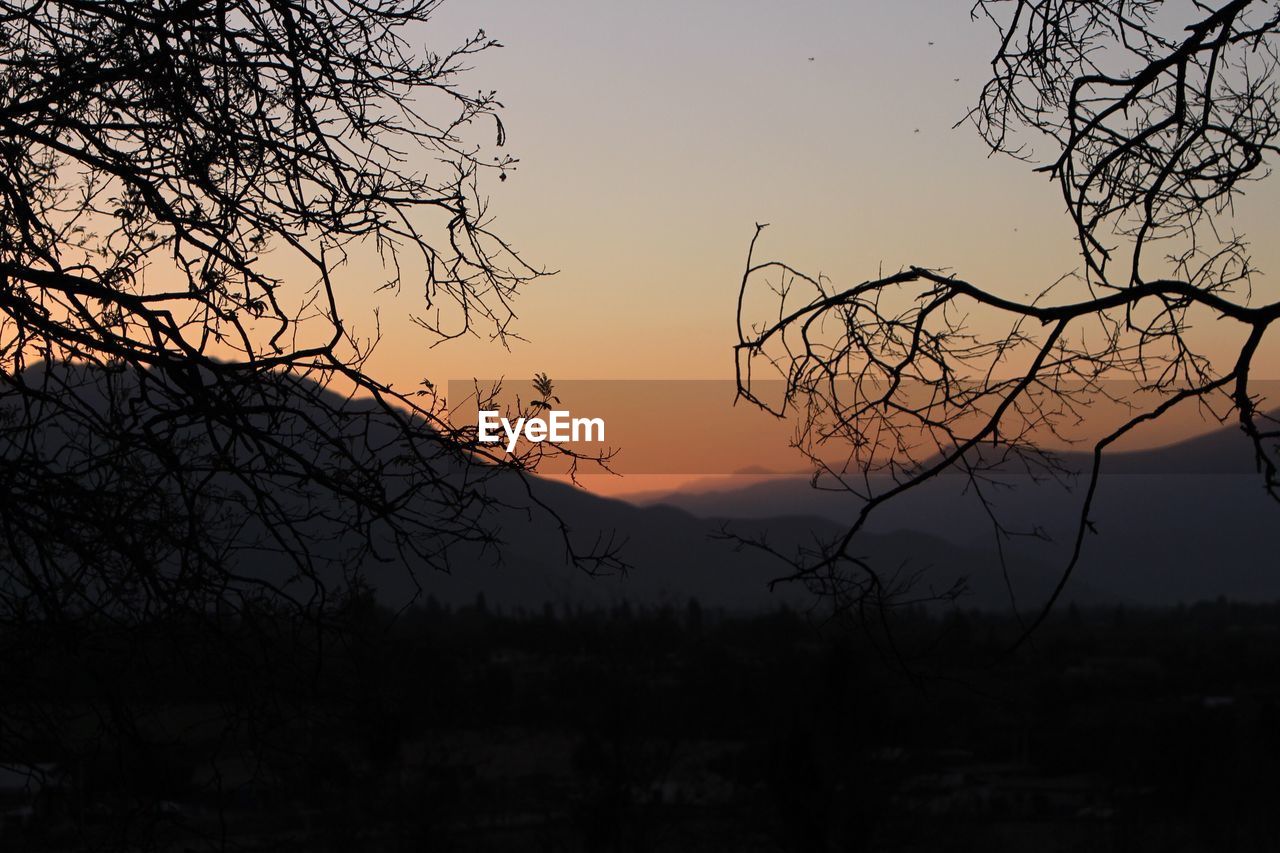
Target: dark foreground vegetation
[{"x": 671, "y": 729}]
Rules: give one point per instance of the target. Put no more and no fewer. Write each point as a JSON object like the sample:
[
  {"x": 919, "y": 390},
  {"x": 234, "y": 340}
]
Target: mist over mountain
[
  {"x": 675, "y": 547},
  {"x": 1182, "y": 523}
]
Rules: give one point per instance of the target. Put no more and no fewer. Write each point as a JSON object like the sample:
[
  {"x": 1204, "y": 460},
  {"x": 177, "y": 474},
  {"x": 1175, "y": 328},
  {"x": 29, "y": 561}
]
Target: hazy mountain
[
  {"x": 1198, "y": 532},
  {"x": 1180, "y": 523},
  {"x": 676, "y": 555}
]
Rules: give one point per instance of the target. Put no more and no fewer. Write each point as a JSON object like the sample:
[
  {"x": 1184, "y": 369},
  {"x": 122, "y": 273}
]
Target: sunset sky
[{"x": 653, "y": 136}]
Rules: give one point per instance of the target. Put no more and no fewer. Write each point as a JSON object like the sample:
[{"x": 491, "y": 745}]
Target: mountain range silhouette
[{"x": 1177, "y": 524}]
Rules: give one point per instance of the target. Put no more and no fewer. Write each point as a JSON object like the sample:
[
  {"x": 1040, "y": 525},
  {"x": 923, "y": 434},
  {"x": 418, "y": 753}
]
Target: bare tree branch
[{"x": 1153, "y": 124}]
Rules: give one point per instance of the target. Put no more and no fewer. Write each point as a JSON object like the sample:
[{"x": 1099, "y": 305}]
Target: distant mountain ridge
[
  {"x": 1163, "y": 538},
  {"x": 1180, "y": 523}
]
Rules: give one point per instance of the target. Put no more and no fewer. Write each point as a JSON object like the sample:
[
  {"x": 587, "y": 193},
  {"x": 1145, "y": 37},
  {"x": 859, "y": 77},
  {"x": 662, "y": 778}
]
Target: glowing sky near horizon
[{"x": 653, "y": 136}]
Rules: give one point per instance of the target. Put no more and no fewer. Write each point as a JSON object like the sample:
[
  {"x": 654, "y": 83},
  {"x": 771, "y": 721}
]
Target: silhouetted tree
[
  {"x": 193, "y": 193},
  {"x": 1153, "y": 118},
  {"x": 186, "y": 191}
]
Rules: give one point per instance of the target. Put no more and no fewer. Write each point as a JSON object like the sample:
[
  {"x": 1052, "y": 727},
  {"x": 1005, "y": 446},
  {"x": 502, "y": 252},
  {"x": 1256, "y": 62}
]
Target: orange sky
[{"x": 653, "y": 136}]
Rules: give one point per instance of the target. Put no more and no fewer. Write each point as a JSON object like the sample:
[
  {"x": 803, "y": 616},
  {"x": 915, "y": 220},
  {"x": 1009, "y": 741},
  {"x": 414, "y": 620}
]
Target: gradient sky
[{"x": 652, "y": 137}]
